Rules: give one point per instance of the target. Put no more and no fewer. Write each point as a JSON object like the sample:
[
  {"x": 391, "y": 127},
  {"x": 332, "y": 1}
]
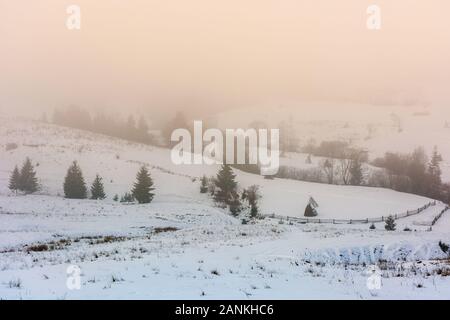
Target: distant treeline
[
  {"x": 335, "y": 149},
  {"x": 405, "y": 172},
  {"x": 79, "y": 118},
  {"x": 412, "y": 173}
]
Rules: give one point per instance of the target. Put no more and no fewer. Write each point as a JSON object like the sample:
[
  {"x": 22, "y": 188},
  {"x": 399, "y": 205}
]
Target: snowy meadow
[{"x": 184, "y": 245}]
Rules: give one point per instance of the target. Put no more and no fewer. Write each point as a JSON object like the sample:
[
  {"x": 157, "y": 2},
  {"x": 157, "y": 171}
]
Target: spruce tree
[
  {"x": 74, "y": 185},
  {"x": 97, "y": 190},
  {"x": 143, "y": 187},
  {"x": 390, "y": 224},
  {"x": 204, "y": 185},
  {"x": 14, "y": 180},
  {"x": 226, "y": 185},
  {"x": 28, "y": 181}
]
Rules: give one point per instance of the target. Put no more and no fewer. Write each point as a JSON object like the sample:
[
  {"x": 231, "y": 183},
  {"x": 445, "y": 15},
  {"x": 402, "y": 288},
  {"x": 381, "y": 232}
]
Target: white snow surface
[{"x": 125, "y": 252}]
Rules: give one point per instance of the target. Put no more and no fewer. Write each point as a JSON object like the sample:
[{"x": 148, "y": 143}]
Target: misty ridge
[{"x": 337, "y": 161}]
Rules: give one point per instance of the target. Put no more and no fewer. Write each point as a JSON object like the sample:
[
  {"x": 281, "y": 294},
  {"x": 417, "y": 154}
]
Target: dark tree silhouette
[
  {"x": 97, "y": 189},
  {"x": 28, "y": 181},
  {"x": 226, "y": 189},
  {"x": 74, "y": 185},
  {"x": 143, "y": 187},
  {"x": 14, "y": 180},
  {"x": 226, "y": 185},
  {"x": 390, "y": 224}
]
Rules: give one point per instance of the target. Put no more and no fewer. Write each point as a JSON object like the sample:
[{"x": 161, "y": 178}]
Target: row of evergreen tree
[
  {"x": 223, "y": 188},
  {"x": 131, "y": 129},
  {"x": 74, "y": 185},
  {"x": 24, "y": 180}
]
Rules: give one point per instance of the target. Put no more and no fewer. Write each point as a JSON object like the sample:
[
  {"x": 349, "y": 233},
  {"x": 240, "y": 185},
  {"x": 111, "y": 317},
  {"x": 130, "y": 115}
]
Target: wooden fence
[
  {"x": 439, "y": 216},
  {"x": 357, "y": 221}
]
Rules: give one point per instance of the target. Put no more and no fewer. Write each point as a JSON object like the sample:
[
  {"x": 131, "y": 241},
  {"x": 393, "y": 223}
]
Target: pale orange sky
[{"x": 214, "y": 54}]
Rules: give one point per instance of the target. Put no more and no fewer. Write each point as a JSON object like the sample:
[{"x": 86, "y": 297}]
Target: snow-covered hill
[
  {"x": 117, "y": 161},
  {"x": 182, "y": 246}
]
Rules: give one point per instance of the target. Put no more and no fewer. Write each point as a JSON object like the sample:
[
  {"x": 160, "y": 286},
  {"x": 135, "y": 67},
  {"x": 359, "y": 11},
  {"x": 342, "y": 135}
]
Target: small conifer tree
[
  {"x": 225, "y": 185},
  {"x": 97, "y": 189},
  {"x": 14, "y": 180},
  {"x": 74, "y": 185},
  {"x": 28, "y": 181},
  {"x": 390, "y": 224},
  {"x": 143, "y": 187}
]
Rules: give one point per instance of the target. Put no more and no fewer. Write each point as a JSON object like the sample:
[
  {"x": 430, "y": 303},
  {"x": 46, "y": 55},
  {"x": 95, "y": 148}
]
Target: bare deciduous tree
[
  {"x": 344, "y": 170},
  {"x": 328, "y": 168}
]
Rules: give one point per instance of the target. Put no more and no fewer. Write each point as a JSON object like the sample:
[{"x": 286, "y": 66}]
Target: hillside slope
[
  {"x": 117, "y": 161},
  {"x": 182, "y": 246}
]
